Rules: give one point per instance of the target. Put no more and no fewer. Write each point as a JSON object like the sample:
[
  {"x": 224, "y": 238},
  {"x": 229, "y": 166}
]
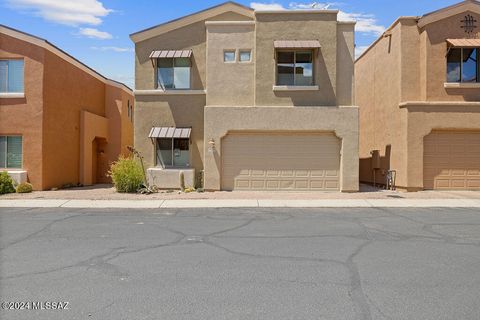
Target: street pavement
[{"x": 242, "y": 263}]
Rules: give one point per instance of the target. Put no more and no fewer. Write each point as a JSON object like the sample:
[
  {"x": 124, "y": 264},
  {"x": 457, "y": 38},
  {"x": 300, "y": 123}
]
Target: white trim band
[
  {"x": 295, "y": 88},
  {"x": 168, "y": 92},
  {"x": 461, "y": 85},
  {"x": 12, "y": 95}
]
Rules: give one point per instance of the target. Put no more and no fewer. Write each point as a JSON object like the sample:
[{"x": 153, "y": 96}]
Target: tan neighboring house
[
  {"x": 60, "y": 121},
  {"x": 254, "y": 100},
  {"x": 418, "y": 90}
]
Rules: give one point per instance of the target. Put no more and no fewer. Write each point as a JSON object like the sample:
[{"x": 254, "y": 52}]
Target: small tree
[{"x": 127, "y": 175}]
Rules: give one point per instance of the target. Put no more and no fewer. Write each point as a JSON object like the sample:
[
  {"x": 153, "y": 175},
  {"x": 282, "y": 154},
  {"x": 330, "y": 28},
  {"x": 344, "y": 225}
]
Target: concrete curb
[{"x": 246, "y": 203}]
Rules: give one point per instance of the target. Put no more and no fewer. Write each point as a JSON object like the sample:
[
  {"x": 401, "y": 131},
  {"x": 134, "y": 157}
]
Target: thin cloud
[
  {"x": 113, "y": 48},
  {"x": 359, "y": 50},
  {"x": 94, "y": 33},
  {"x": 366, "y": 23},
  {"x": 266, "y": 6},
  {"x": 68, "y": 12}
]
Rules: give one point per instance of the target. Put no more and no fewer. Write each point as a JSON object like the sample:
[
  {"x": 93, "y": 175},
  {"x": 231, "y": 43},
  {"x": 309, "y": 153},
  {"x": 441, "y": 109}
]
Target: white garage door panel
[
  {"x": 281, "y": 162},
  {"x": 452, "y": 160}
]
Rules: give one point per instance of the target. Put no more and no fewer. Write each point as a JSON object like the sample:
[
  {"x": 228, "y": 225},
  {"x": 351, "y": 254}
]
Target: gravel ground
[{"x": 107, "y": 192}]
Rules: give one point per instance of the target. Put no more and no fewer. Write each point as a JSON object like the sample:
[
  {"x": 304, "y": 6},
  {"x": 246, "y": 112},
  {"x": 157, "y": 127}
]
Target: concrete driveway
[{"x": 364, "y": 263}]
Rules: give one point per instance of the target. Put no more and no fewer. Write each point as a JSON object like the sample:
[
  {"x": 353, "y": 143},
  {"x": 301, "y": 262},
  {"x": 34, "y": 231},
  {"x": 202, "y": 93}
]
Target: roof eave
[{"x": 189, "y": 19}]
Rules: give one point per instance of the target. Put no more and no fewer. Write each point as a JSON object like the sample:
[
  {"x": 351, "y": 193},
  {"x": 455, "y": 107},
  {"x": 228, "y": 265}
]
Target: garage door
[
  {"x": 452, "y": 161},
  {"x": 281, "y": 162}
]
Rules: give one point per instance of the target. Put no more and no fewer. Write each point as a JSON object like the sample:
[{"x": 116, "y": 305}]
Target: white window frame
[
  {"x": 162, "y": 165},
  {"x": 6, "y": 152},
  {"x": 9, "y": 94},
  {"x": 230, "y": 51},
  {"x": 240, "y": 55}
]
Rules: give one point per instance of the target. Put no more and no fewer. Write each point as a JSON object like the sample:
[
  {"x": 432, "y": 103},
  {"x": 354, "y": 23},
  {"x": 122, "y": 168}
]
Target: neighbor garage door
[
  {"x": 280, "y": 162},
  {"x": 452, "y": 161}
]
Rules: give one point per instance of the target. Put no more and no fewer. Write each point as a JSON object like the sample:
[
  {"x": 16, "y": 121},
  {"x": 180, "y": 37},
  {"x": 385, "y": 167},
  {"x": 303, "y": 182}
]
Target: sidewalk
[
  {"x": 241, "y": 203},
  {"x": 104, "y": 196}
]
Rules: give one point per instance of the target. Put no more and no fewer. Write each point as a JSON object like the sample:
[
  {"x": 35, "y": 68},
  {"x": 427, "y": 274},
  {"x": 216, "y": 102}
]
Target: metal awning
[
  {"x": 170, "y": 132},
  {"x": 170, "y": 54},
  {"x": 296, "y": 44},
  {"x": 464, "y": 43}
]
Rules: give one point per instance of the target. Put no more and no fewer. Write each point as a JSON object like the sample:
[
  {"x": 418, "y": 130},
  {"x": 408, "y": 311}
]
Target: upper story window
[
  {"x": 295, "y": 68},
  {"x": 11, "y": 152},
  {"x": 11, "y": 76},
  {"x": 463, "y": 65},
  {"x": 245, "y": 56},
  {"x": 229, "y": 56},
  {"x": 174, "y": 73}
]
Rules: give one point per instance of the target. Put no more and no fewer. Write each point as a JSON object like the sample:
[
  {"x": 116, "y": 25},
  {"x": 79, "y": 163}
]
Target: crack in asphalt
[
  {"x": 362, "y": 303},
  {"x": 46, "y": 227}
]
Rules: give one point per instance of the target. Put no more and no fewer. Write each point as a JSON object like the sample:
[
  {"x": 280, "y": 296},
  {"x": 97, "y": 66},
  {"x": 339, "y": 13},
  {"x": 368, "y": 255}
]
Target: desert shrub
[
  {"x": 6, "y": 183},
  {"x": 24, "y": 187},
  {"x": 127, "y": 175}
]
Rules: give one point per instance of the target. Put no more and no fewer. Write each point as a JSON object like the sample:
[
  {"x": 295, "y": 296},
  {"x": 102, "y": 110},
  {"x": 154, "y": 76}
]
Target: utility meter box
[{"x": 375, "y": 159}]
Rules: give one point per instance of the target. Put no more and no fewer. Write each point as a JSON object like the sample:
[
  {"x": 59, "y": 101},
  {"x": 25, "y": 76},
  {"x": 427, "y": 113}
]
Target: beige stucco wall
[
  {"x": 230, "y": 83},
  {"x": 377, "y": 93},
  {"x": 23, "y": 116},
  {"x": 436, "y": 70},
  {"x": 342, "y": 121},
  {"x": 232, "y": 90},
  {"x": 296, "y": 26},
  {"x": 189, "y": 37},
  {"x": 409, "y": 67},
  {"x": 345, "y": 64}
]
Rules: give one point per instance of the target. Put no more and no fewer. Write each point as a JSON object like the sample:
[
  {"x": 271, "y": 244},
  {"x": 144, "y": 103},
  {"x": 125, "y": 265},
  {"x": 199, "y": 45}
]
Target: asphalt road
[{"x": 242, "y": 263}]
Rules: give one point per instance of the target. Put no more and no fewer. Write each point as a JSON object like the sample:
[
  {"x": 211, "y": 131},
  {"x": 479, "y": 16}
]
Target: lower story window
[
  {"x": 173, "y": 152},
  {"x": 11, "y": 152}
]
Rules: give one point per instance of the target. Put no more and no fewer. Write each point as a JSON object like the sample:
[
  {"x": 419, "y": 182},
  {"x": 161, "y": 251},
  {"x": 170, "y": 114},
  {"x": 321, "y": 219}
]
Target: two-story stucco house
[
  {"x": 248, "y": 100},
  {"x": 418, "y": 90},
  {"x": 61, "y": 122}
]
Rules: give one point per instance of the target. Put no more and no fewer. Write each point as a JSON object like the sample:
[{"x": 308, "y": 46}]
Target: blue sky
[{"x": 96, "y": 31}]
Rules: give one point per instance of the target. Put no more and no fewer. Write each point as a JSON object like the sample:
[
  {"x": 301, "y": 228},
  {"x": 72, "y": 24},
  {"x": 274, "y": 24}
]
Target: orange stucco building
[{"x": 61, "y": 122}]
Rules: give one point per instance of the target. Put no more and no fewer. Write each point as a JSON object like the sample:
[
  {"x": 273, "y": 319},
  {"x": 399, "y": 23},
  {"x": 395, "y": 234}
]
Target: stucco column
[
  {"x": 349, "y": 166},
  {"x": 91, "y": 126}
]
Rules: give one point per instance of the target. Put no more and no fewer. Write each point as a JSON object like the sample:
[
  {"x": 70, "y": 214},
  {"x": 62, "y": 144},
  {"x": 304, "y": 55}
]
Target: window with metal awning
[
  {"x": 172, "y": 146},
  {"x": 172, "y": 68},
  {"x": 463, "y": 56}
]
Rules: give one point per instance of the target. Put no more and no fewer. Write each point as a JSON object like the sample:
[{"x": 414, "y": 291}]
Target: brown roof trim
[
  {"x": 14, "y": 33},
  {"x": 140, "y": 35},
  {"x": 386, "y": 33}
]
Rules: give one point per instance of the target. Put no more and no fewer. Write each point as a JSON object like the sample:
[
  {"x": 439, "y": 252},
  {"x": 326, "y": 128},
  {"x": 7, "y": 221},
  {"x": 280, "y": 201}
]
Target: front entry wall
[
  {"x": 265, "y": 161},
  {"x": 220, "y": 122},
  {"x": 452, "y": 161}
]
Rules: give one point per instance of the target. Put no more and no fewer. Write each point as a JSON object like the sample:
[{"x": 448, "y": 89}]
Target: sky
[{"x": 97, "y": 31}]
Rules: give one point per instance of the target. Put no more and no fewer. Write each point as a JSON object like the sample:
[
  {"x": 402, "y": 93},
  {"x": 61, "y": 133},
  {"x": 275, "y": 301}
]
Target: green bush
[
  {"x": 24, "y": 188},
  {"x": 127, "y": 175},
  {"x": 6, "y": 183}
]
